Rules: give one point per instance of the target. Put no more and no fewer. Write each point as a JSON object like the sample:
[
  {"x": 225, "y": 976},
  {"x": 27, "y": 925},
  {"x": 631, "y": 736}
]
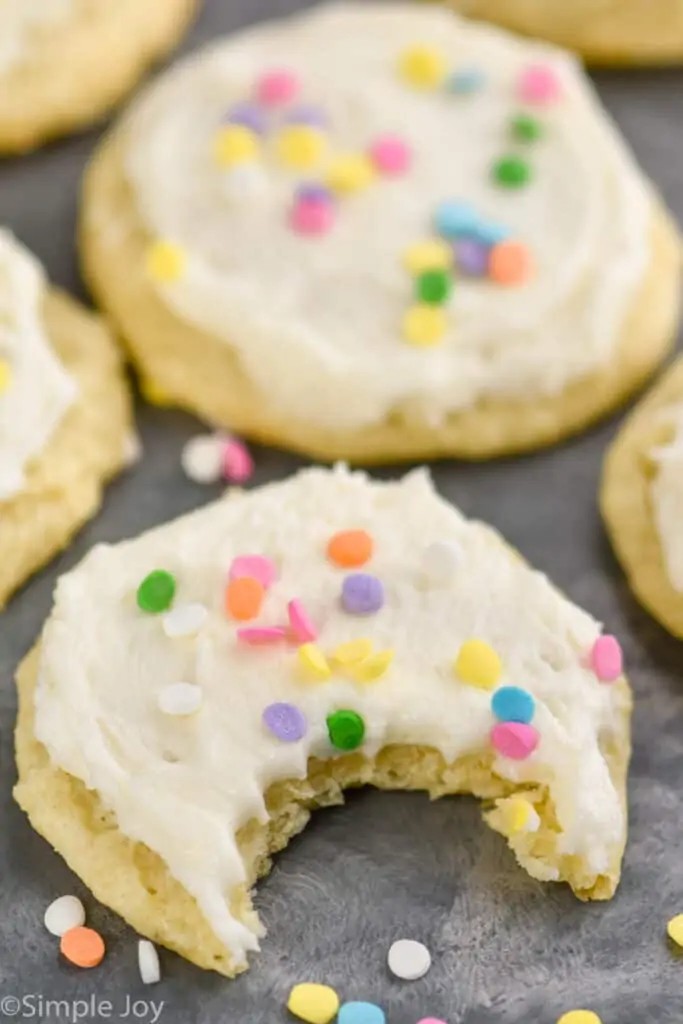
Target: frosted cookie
[
  {"x": 64, "y": 416},
  {"x": 642, "y": 499},
  {"x": 65, "y": 63},
  {"x": 248, "y": 662},
  {"x": 602, "y": 31},
  {"x": 424, "y": 240}
]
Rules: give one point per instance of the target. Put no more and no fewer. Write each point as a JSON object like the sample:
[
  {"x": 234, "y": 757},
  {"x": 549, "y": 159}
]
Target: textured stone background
[{"x": 506, "y": 949}]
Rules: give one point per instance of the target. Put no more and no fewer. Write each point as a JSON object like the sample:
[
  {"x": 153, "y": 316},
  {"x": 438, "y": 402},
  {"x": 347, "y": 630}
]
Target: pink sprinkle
[
  {"x": 607, "y": 660},
  {"x": 257, "y": 635},
  {"x": 300, "y": 623},
  {"x": 277, "y": 87},
  {"x": 391, "y": 155},
  {"x": 431, "y": 1020},
  {"x": 515, "y": 739},
  {"x": 238, "y": 465},
  {"x": 539, "y": 83},
  {"x": 312, "y": 217},
  {"x": 257, "y": 566}
]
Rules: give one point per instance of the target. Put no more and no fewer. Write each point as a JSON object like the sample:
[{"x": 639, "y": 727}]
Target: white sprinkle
[
  {"x": 441, "y": 561},
  {"x": 148, "y": 962},
  {"x": 409, "y": 960},
  {"x": 180, "y": 699},
  {"x": 184, "y": 620},
  {"x": 202, "y": 458},
  {"x": 63, "y": 914}
]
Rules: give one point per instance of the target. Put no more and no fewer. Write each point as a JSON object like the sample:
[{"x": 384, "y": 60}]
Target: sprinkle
[
  {"x": 431, "y": 1020},
  {"x": 346, "y": 729},
  {"x": 674, "y": 929},
  {"x": 300, "y": 147},
  {"x": 165, "y": 262},
  {"x": 202, "y": 458},
  {"x": 148, "y": 962},
  {"x": 277, "y": 87},
  {"x": 156, "y": 591},
  {"x": 257, "y": 566},
  {"x": 453, "y": 218},
  {"x": 607, "y": 659},
  {"x": 314, "y": 662},
  {"x": 244, "y": 597},
  {"x": 512, "y": 704},
  {"x": 526, "y": 128},
  {"x": 235, "y": 144},
  {"x": 238, "y": 465},
  {"x": 579, "y": 1017},
  {"x": 489, "y": 233},
  {"x": 478, "y": 664},
  {"x": 514, "y": 739},
  {"x": 285, "y": 721},
  {"x": 521, "y": 815},
  {"x": 434, "y": 287},
  {"x": 184, "y": 620},
  {"x": 350, "y": 173},
  {"x": 471, "y": 257},
  {"x": 408, "y": 959},
  {"x": 315, "y": 1004},
  {"x": 391, "y": 155},
  {"x": 369, "y": 669},
  {"x": 5, "y": 375},
  {"x": 424, "y": 325},
  {"x": 313, "y": 192},
  {"x": 509, "y": 263},
  {"x": 312, "y": 217},
  {"x": 539, "y": 84},
  {"x": 511, "y": 171},
  {"x": 179, "y": 699},
  {"x": 423, "y": 67},
  {"x": 352, "y": 652},
  {"x": 306, "y": 114},
  {"x": 300, "y": 622},
  {"x": 257, "y": 636},
  {"x": 361, "y": 1013},
  {"x": 441, "y": 561},
  {"x": 362, "y": 594},
  {"x": 63, "y": 914},
  {"x": 466, "y": 81},
  {"x": 249, "y": 115},
  {"x": 82, "y": 947},
  {"x": 350, "y": 549},
  {"x": 433, "y": 254}
]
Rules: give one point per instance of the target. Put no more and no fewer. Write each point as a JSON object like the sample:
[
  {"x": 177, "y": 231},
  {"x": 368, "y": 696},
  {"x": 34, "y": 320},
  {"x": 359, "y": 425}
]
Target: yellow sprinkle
[
  {"x": 5, "y": 375},
  {"x": 579, "y": 1017},
  {"x": 478, "y": 664},
  {"x": 316, "y": 1004},
  {"x": 314, "y": 661},
  {"x": 423, "y": 66},
  {"x": 372, "y": 668},
  {"x": 166, "y": 261},
  {"x": 300, "y": 146},
  {"x": 235, "y": 144},
  {"x": 154, "y": 394},
  {"x": 432, "y": 254},
  {"x": 521, "y": 815},
  {"x": 675, "y": 929},
  {"x": 353, "y": 651},
  {"x": 424, "y": 325},
  {"x": 350, "y": 173}
]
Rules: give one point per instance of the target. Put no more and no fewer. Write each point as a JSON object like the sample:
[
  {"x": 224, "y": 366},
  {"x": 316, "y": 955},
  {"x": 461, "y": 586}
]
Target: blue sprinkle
[
  {"x": 455, "y": 219},
  {"x": 489, "y": 233},
  {"x": 361, "y": 1013},
  {"x": 511, "y": 704},
  {"x": 466, "y": 81}
]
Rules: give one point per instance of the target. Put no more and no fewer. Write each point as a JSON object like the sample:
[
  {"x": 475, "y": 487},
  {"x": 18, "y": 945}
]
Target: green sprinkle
[
  {"x": 512, "y": 171},
  {"x": 526, "y": 128},
  {"x": 434, "y": 287},
  {"x": 155, "y": 593},
  {"x": 346, "y": 729}
]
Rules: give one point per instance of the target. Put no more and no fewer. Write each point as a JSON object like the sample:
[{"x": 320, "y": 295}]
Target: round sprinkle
[
  {"x": 315, "y": 1004},
  {"x": 202, "y": 458},
  {"x": 249, "y": 115},
  {"x": 82, "y": 947},
  {"x": 156, "y": 591},
  {"x": 285, "y": 721},
  {"x": 261, "y": 636},
  {"x": 511, "y": 172},
  {"x": 277, "y": 87},
  {"x": 350, "y": 173},
  {"x": 184, "y": 620},
  {"x": 244, "y": 597},
  {"x": 434, "y": 287},
  {"x": 525, "y": 128},
  {"x": 512, "y": 704},
  {"x": 235, "y": 144},
  {"x": 606, "y": 658},
  {"x": 5, "y": 375},
  {"x": 369, "y": 669},
  {"x": 312, "y": 217},
  {"x": 539, "y": 84},
  {"x": 300, "y": 147},
  {"x": 237, "y": 464},
  {"x": 346, "y": 729},
  {"x": 391, "y": 155},
  {"x": 362, "y": 594},
  {"x": 165, "y": 262},
  {"x": 313, "y": 662},
  {"x": 674, "y": 929},
  {"x": 313, "y": 192},
  {"x": 180, "y": 699},
  {"x": 471, "y": 257},
  {"x": 361, "y": 1013},
  {"x": 352, "y": 652},
  {"x": 63, "y": 914},
  {"x": 423, "y": 67},
  {"x": 453, "y": 218},
  {"x": 509, "y": 263},
  {"x": 300, "y": 622},
  {"x": 579, "y": 1017},
  {"x": 465, "y": 81},
  {"x": 257, "y": 566},
  {"x": 306, "y": 114},
  {"x": 489, "y": 233},
  {"x": 514, "y": 740},
  {"x": 424, "y": 325},
  {"x": 409, "y": 960},
  {"x": 148, "y": 962},
  {"x": 478, "y": 664},
  {"x": 350, "y": 549},
  {"x": 431, "y": 1020},
  {"x": 441, "y": 561},
  {"x": 434, "y": 254}
]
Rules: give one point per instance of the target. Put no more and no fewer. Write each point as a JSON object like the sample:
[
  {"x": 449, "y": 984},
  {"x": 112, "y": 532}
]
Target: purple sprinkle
[
  {"x": 249, "y": 115},
  {"x": 285, "y": 721},
  {"x": 310, "y": 115},
  {"x": 471, "y": 257},
  {"x": 362, "y": 594},
  {"x": 312, "y": 192}
]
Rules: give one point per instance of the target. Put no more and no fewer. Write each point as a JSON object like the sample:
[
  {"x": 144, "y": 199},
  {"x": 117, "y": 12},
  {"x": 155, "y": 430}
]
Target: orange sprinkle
[
  {"x": 350, "y": 548},
  {"x": 83, "y": 947},
  {"x": 509, "y": 263},
  {"x": 243, "y": 598}
]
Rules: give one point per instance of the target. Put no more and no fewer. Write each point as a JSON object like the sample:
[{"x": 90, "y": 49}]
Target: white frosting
[
  {"x": 185, "y": 786},
  {"x": 316, "y": 324},
  {"x": 667, "y": 497},
  {"x": 19, "y": 21},
  {"x": 40, "y": 390}
]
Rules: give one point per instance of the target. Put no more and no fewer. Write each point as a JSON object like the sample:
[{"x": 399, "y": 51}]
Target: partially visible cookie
[
  {"x": 65, "y": 417},
  {"x": 642, "y": 499},
  {"x": 65, "y": 63}
]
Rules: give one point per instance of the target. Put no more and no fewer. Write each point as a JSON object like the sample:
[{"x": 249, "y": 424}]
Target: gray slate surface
[{"x": 506, "y": 949}]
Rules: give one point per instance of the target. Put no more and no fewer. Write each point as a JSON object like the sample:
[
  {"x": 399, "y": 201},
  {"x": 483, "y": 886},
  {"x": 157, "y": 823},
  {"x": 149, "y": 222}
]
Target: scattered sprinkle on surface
[
  {"x": 156, "y": 592},
  {"x": 63, "y": 914},
  {"x": 83, "y": 947},
  {"x": 148, "y": 962},
  {"x": 202, "y": 458},
  {"x": 409, "y": 959},
  {"x": 285, "y": 721},
  {"x": 346, "y": 729},
  {"x": 315, "y": 1004},
  {"x": 361, "y": 1013},
  {"x": 579, "y": 1017},
  {"x": 184, "y": 620},
  {"x": 179, "y": 699},
  {"x": 675, "y": 929}
]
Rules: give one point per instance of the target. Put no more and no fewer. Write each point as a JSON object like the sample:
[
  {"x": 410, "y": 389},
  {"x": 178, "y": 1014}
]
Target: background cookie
[{"x": 65, "y": 63}]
